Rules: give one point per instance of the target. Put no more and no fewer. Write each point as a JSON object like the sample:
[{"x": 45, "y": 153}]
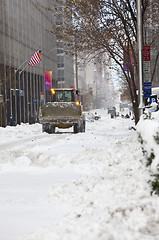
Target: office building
[
  {"x": 65, "y": 73},
  {"x": 24, "y": 28}
]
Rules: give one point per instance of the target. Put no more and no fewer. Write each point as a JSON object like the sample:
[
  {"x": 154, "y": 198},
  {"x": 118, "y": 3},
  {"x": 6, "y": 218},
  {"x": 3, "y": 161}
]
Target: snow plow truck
[{"x": 63, "y": 110}]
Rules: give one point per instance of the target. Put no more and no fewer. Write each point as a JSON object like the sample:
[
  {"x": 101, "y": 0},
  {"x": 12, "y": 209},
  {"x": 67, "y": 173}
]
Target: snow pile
[
  {"x": 66, "y": 186},
  {"x": 148, "y": 130}
]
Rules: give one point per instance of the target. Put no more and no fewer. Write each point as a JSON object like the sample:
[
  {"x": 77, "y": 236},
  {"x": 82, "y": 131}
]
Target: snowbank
[
  {"x": 148, "y": 130},
  {"x": 66, "y": 186}
]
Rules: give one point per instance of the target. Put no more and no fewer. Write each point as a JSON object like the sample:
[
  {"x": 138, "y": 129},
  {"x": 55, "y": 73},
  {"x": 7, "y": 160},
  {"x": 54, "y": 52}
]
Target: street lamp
[{"x": 140, "y": 49}]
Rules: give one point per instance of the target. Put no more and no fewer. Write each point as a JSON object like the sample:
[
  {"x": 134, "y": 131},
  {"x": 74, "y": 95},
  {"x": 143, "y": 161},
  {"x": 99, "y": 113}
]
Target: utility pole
[
  {"x": 76, "y": 62},
  {"x": 76, "y": 69},
  {"x": 140, "y": 51}
]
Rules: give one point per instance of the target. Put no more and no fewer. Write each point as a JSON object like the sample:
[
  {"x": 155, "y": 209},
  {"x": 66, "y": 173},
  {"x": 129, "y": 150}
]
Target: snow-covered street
[{"x": 66, "y": 186}]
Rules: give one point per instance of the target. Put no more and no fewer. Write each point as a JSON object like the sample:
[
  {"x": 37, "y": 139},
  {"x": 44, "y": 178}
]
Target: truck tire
[
  {"x": 82, "y": 126},
  {"x": 76, "y": 128},
  {"x": 48, "y": 128},
  {"x": 52, "y": 129},
  {"x": 44, "y": 127}
]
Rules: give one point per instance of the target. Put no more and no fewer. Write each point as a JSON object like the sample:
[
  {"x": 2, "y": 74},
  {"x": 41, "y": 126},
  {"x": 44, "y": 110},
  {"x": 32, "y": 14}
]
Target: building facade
[
  {"x": 24, "y": 28},
  {"x": 95, "y": 82},
  {"x": 65, "y": 62}
]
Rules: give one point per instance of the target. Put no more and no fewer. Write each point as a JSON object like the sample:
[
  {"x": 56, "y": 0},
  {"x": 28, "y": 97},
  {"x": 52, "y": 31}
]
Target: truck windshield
[{"x": 64, "y": 96}]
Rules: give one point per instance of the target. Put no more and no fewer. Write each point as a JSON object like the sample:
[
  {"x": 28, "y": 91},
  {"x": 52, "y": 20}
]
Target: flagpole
[
  {"x": 21, "y": 66},
  {"x": 23, "y": 69}
]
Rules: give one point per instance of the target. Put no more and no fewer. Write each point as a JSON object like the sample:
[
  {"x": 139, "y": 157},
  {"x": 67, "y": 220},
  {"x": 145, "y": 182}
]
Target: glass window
[
  {"x": 60, "y": 59},
  {"x": 60, "y": 79},
  {"x": 60, "y": 73},
  {"x": 59, "y": 44},
  {"x": 60, "y": 65},
  {"x": 64, "y": 96},
  {"x": 59, "y": 51}
]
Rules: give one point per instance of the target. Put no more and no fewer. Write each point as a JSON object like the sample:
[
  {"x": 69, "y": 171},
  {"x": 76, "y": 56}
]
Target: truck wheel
[
  {"x": 82, "y": 126},
  {"x": 76, "y": 128},
  {"x": 52, "y": 129},
  {"x": 48, "y": 128},
  {"x": 44, "y": 127}
]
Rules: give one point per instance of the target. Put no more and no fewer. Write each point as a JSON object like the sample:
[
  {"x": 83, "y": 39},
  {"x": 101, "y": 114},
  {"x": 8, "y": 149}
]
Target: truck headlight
[{"x": 53, "y": 90}]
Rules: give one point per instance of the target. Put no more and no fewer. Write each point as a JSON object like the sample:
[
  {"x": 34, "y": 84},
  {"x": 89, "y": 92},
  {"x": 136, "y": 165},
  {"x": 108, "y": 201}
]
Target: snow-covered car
[
  {"x": 90, "y": 116},
  {"x": 96, "y": 116},
  {"x": 112, "y": 111}
]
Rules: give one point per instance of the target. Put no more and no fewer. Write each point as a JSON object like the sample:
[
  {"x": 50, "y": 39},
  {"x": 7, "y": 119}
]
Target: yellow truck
[{"x": 62, "y": 111}]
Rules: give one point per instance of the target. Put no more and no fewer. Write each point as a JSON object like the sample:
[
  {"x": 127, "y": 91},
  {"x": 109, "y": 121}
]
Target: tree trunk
[{"x": 136, "y": 112}]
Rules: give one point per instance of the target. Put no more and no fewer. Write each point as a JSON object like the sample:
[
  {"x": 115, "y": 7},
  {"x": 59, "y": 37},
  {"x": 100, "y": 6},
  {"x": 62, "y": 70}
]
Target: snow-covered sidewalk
[{"x": 86, "y": 186}]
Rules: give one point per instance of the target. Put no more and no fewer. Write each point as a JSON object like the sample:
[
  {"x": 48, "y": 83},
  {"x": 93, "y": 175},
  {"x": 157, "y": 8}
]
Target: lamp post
[{"x": 140, "y": 50}]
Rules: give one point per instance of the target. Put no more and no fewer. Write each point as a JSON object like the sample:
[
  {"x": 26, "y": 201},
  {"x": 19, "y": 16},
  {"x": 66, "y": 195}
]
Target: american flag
[{"x": 35, "y": 58}]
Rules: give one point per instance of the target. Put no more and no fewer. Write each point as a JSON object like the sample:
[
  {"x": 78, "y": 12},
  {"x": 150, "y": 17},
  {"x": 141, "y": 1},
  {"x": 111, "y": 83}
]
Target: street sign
[
  {"x": 146, "y": 53},
  {"x": 42, "y": 97},
  {"x": 153, "y": 98},
  {"x": 146, "y": 71},
  {"x": 147, "y": 89},
  {"x": 146, "y": 64},
  {"x": 21, "y": 92}
]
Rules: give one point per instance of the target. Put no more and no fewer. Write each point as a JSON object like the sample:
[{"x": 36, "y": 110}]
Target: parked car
[
  {"x": 112, "y": 111},
  {"x": 90, "y": 117},
  {"x": 96, "y": 116}
]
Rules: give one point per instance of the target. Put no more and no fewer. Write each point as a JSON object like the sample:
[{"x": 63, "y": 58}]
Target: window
[
  {"x": 59, "y": 44},
  {"x": 60, "y": 65},
  {"x": 64, "y": 96},
  {"x": 59, "y": 51},
  {"x": 61, "y": 79},
  {"x": 60, "y": 73}
]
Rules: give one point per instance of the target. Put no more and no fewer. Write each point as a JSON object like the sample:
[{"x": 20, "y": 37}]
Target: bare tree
[{"x": 98, "y": 26}]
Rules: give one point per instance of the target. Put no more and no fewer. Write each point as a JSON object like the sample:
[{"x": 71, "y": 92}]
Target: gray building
[
  {"x": 65, "y": 73},
  {"x": 24, "y": 28},
  {"x": 64, "y": 59}
]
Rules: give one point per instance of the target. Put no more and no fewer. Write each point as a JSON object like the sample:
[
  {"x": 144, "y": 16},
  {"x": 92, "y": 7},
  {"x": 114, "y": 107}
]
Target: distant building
[
  {"x": 65, "y": 69},
  {"x": 65, "y": 63},
  {"x": 95, "y": 83}
]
